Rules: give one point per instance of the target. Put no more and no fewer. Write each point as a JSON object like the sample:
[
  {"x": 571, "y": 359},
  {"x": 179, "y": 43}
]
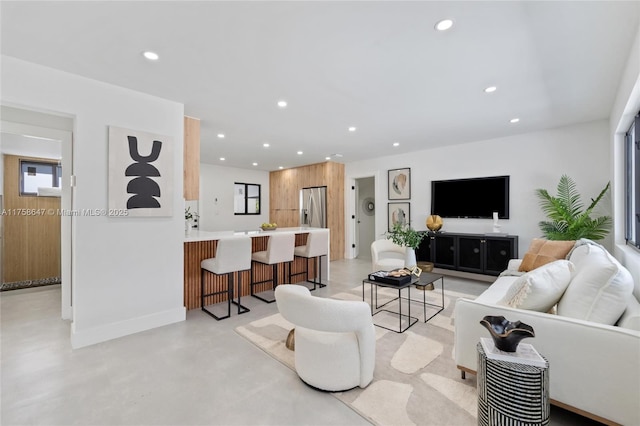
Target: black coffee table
[{"x": 424, "y": 279}]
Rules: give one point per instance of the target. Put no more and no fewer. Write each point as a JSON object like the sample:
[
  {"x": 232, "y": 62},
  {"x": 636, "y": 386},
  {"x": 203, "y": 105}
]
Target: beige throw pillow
[
  {"x": 540, "y": 289},
  {"x": 543, "y": 251}
]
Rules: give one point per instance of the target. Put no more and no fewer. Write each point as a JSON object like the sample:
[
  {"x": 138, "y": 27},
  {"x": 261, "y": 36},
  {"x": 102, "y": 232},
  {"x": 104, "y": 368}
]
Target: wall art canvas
[
  {"x": 398, "y": 213},
  {"x": 140, "y": 173},
  {"x": 400, "y": 184}
]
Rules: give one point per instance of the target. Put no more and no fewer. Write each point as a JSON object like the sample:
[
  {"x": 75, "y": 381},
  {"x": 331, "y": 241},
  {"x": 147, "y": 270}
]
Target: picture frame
[
  {"x": 140, "y": 174},
  {"x": 398, "y": 213},
  {"x": 399, "y": 184}
]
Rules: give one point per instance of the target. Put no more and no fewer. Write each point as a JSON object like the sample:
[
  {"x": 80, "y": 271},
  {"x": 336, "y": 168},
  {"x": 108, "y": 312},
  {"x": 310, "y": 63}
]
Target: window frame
[
  {"x": 632, "y": 184},
  {"x": 56, "y": 174},
  {"x": 247, "y": 199}
]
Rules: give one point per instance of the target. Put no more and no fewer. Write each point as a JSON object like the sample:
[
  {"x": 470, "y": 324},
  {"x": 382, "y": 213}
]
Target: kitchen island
[{"x": 200, "y": 245}]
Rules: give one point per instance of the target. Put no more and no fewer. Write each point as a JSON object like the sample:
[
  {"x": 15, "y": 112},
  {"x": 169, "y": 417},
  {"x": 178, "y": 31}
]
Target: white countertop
[{"x": 198, "y": 235}]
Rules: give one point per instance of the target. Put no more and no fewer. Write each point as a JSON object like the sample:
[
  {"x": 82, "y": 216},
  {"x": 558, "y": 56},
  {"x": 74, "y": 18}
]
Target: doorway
[
  {"x": 365, "y": 212},
  {"x": 35, "y": 177}
]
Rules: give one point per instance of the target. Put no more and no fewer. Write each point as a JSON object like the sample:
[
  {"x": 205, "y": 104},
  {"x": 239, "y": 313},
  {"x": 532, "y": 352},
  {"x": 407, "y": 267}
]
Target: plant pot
[
  {"x": 410, "y": 257},
  {"x": 187, "y": 227}
]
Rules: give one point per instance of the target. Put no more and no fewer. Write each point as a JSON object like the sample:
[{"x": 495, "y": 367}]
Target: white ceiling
[{"x": 379, "y": 66}]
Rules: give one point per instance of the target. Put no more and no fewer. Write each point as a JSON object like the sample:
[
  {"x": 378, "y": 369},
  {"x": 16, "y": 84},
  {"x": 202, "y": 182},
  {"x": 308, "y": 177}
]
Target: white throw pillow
[
  {"x": 539, "y": 289},
  {"x": 600, "y": 288}
]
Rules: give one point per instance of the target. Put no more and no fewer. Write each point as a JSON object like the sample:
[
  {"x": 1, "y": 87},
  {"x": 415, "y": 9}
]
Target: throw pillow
[
  {"x": 540, "y": 289},
  {"x": 543, "y": 251},
  {"x": 600, "y": 288}
]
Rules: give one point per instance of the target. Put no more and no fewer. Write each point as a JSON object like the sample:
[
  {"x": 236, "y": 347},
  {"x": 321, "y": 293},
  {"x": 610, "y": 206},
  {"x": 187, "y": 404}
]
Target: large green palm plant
[{"x": 568, "y": 220}]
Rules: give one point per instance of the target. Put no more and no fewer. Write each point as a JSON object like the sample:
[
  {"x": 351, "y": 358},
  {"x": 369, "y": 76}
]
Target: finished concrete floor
[{"x": 197, "y": 372}]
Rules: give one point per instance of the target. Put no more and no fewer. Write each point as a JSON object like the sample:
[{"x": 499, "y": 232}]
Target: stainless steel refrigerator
[{"x": 313, "y": 207}]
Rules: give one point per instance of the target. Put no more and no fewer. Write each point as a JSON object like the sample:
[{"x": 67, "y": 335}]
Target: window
[
  {"x": 36, "y": 174},
  {"x": 246, "y": 198},
  {"x": 632, "y": 187}
]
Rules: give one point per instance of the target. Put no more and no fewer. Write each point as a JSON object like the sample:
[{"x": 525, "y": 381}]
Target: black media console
[{"x": 478, "y": 253}]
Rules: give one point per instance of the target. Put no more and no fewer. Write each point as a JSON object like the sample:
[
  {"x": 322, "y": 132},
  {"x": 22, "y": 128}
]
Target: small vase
[
  {"x": 187, "y": 227},
  {"x": 409, "y": 257},
  {"x": 506, "y": 334}
]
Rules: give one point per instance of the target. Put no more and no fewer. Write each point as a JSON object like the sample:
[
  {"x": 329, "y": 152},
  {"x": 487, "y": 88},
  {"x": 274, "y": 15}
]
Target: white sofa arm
[{"x": 592, "y": 367}]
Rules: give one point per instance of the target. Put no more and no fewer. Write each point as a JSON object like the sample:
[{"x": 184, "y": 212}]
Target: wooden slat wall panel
[
  {"x": 31, "y": 248},
  {"x": 196, "y": 252},
  {"x": 335, "y": 208}
]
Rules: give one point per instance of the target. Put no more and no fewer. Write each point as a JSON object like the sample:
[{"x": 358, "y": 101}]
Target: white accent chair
[
  {"x": 317, "y": 246},
  {"x": 232, "y": 255},
  {"x": 386, "y": 255},
  {"x": 279, "y": 250},
  {"x": 335, "y": 340}
]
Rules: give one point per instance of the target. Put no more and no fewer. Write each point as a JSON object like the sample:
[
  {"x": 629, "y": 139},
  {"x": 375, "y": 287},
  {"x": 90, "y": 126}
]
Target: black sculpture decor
[{"x": 506, "y": 334}]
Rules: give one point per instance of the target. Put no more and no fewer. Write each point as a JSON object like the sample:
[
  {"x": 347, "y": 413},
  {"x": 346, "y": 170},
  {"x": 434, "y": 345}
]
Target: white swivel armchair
[
  {"x": 386, "y": 255},
  {"x": 335, "y": 341}
]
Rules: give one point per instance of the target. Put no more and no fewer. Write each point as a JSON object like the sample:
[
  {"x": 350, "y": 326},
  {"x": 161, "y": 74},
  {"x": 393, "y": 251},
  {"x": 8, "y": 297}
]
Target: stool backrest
[
  {"x": 280, "y": 247},
  {"x": 233, "y": 254},
  {"x": 317, "y": 243}
]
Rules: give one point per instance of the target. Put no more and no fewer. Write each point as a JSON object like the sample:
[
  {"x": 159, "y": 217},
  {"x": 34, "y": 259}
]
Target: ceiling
[{"x": 378, "y": 66}]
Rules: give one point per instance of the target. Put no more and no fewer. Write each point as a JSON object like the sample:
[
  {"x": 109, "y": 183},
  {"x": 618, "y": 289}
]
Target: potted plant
[
  {"x": 568, "y": 219},
  {"x": 405, "y": 236},
  {"x": 188, "y": 219}
]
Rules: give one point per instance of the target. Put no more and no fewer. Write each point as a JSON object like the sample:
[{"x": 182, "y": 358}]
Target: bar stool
[
  {"x": 317, "y": 246},
  {"x": 279, "y": 250},
  {"x": 233, "y": 254}
]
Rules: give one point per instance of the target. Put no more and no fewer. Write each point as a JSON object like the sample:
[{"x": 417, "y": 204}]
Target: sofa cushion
[
  {"x": 542, "y": 251},
  {"x": 600, "y": 289},
  {"x": 540, "y": 289},
  {"x": 631, "y": 316}
]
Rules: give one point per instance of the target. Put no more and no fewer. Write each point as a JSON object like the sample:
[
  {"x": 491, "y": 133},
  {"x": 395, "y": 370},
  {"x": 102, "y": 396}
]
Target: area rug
[{"x": 415, "y": 382}]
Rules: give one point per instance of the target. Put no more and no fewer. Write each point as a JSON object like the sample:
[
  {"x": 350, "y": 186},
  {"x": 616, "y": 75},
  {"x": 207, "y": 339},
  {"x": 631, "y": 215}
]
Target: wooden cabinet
[
  {"x": 284, "y": 198},
  {"x": 191, "y": 167},
  {"x": 477, "y": 253}
]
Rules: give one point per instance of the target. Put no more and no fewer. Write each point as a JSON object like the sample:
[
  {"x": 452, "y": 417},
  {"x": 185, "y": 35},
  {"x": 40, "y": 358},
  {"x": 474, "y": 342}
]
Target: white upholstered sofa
[{"x": 592, "y": 342}]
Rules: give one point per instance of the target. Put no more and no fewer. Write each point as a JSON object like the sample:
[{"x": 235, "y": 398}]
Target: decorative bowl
[
  {"x": 506, "y": 334},
  {"x": 268, "y": 228}
]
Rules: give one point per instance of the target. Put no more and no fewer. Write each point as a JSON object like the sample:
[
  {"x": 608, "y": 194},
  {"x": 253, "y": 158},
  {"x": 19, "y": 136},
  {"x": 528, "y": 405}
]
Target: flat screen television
[{"x": 471, "y": 198}]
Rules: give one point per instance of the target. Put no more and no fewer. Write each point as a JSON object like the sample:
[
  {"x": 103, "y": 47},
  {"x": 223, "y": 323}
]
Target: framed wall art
[
  {"x": 400, "y": 184},
  {"x": 398, "y": 213},
  {"x": 140, "y": 173}
]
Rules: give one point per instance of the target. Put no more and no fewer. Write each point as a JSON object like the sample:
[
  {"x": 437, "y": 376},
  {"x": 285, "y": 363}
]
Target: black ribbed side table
[{"x": 511, "y": 393}]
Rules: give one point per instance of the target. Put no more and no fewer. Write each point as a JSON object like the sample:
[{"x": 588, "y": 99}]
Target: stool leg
[
  {"x": 203, "y": 295},
  {"x": 241, "y": 309},
  {"x": 320, "y": 273}
]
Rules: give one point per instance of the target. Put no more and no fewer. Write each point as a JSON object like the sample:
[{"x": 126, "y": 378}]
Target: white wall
[
  {"x": 533, "y": 160},
  {"x": 216, "y": 198},
  {"x": 625, "y": 108},
  {"x": 127, "y": 272}
]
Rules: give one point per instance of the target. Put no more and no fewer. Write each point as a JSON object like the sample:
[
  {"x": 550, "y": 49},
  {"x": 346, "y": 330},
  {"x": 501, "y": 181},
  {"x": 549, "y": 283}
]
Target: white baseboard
[{"x": 94, "y": 335}]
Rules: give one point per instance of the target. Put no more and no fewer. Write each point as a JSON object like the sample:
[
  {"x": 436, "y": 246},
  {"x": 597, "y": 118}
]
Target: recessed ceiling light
[
  {"x": 514, "y": 120},
  {"x": 327, "y": 158},
  {"x": 266, "y": 145},
  {"x": 282, "y": 104},
  {"x": 221, "y": 158},
  {"x": 152, "y": 56},
  {"x": 280, "y": 167},
  {"x": 221, "y": 135},
  {"x": 396, "y": 144},
  {"x": 444, "y": 25},
  {"x": 490, "y": 89},
  {"x": 255, "y": 164},
  {"x": 299, "y": 152},
  {"x": 352, "y": 129}
]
